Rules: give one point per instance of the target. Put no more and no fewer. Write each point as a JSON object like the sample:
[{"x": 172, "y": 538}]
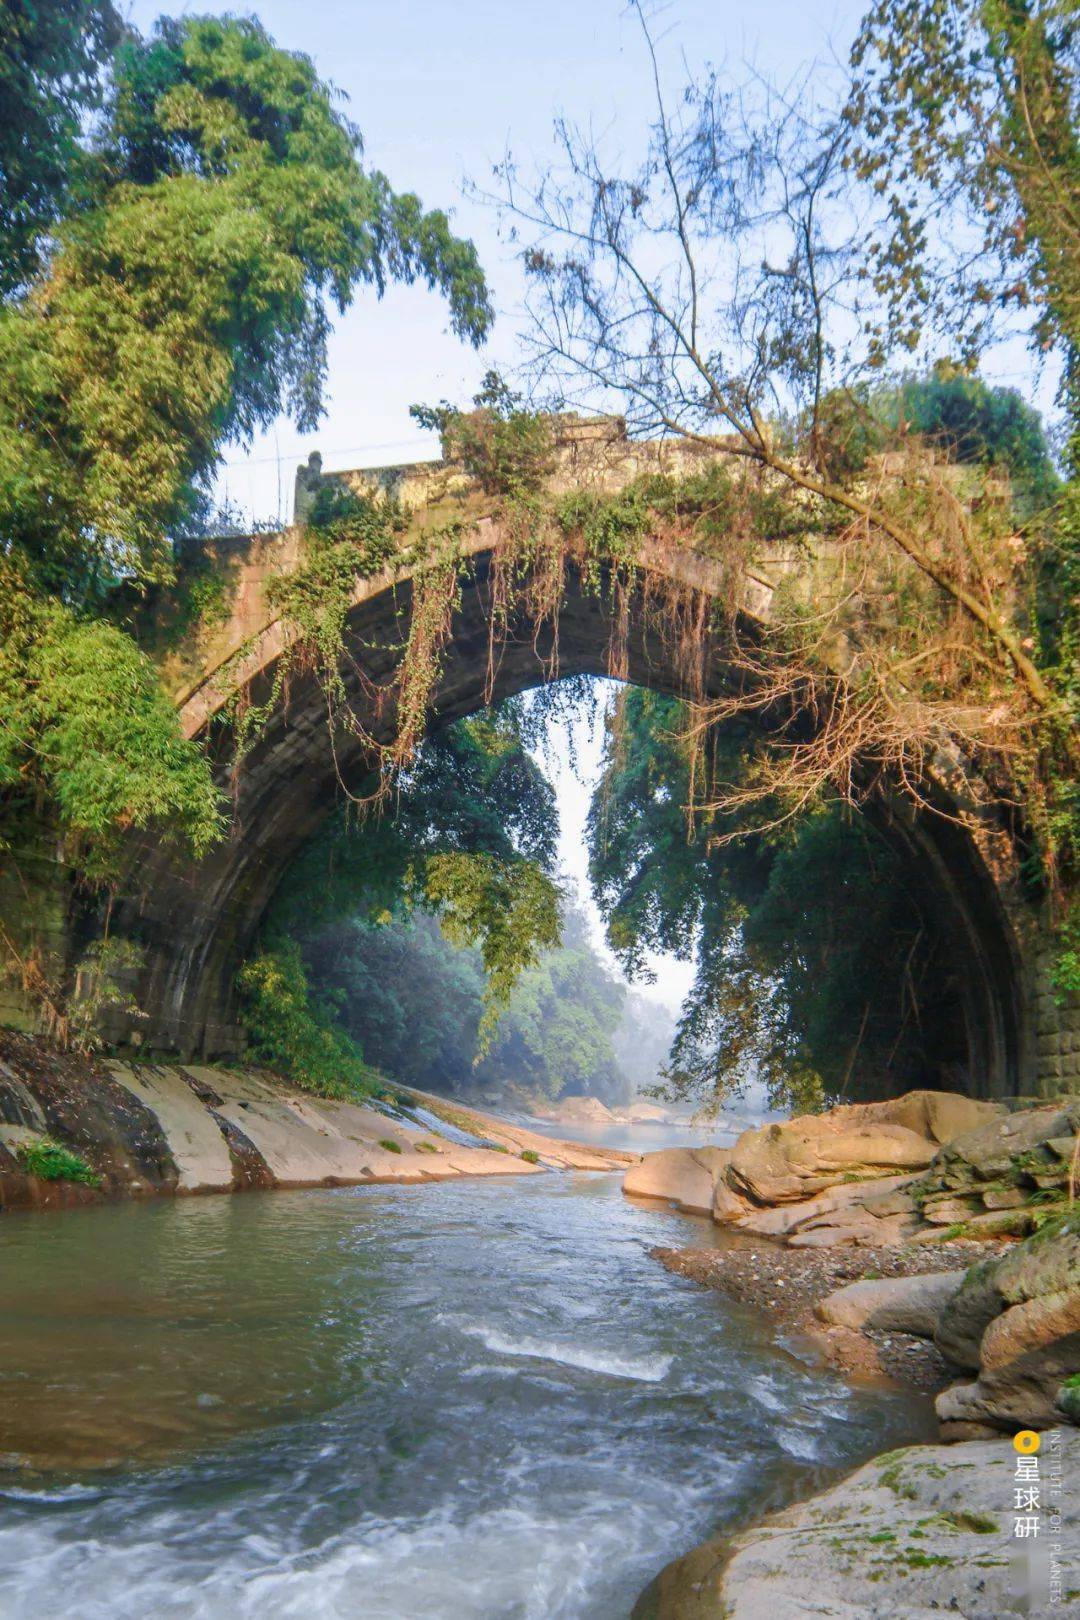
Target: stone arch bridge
[{"x": 195, "y": 922}]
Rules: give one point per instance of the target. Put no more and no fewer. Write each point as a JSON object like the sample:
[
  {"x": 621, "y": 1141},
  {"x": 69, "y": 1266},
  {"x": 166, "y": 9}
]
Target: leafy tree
[
  {"x": 970, "y": 112},
  {"x": 509, "y": 908},
  {"x": 414, "y": 1003},
  {"x": 967, "y": 112},
  {"x": 505, "y": 447},
  {"x": 816, "y": 969},
  {"x": 185, "y": 303},
  {"x": 472, "y": 840},
  {"x": 557, "y": 1034},
  {"x": 295, "y": 1033},
  {"x": 53, "y": 59},
  {"x": 409, "y": 999},
  {"x": 221, "y": 210},
  {"x": 80, "y": 700},
  {"x": 975, "y": 422}
]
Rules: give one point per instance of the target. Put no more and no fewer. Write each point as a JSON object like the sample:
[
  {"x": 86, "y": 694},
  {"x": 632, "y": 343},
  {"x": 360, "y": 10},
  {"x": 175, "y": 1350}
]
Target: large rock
[
  {"x": 944, "y": 1115},
  {"x": 577, "y": 1111},
  {"x": 910, "y": 1536},
  {"x": 728, "y": 1207},
  {"x": 192, "y": 1128},
  {"x": 833, "y": 1205},
  {"x": 783, "y": 1163},
  {"x": 1016, "y": 1321},
  {"x": 892, "y": 1304},
  {"x": 1032, "y": 1147},
  {"x": 640, "y": 1112},
  {"x": 683, "y": 1176},
  {"x": 852, "y": 1229}
]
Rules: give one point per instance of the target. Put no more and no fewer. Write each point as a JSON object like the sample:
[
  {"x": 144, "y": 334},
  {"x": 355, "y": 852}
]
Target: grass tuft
[{"x": 51, "y": 1161}]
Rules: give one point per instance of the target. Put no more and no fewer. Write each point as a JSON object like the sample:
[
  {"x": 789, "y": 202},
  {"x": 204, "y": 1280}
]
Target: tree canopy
[
  {"x": 414, "y": 1003},
  {"x": 53, "y": 62},
  {"x": 176, "y": 259},
  {"x": 470, "y": 839},
  {"x": 816, "y": 966},
  {"x": 185, "y": 301},
  {"x": 966, "y": 124}
]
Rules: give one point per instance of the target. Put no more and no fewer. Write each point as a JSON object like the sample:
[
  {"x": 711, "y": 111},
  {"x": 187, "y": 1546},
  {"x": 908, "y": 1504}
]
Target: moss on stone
[{"x": 979, "y": 1524}]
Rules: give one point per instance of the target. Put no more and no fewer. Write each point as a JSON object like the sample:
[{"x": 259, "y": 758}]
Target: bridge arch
[{"x": 196, "y": 921}]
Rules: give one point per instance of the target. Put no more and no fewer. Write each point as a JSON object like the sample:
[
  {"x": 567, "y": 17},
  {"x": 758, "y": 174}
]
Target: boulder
[
  {"x": 577, "y": 1111},
  {"x": 949, "y": 1115},
  {"x": 727, "y": 1208},
  {"x": 683, "y": 1176},
  {"x": 1016, "y": 1321},
  {"x": 1003, "y": 1197},
  {"x": 771, "y": 1223},
  {"x": 892, "y": 1304},
  {"x": 849, "y": 1212},
  {"x": 889, "y": 1196},
  {"x": 854, "y": 1227},
  {"x": 783, "y": 1163},
  {"x": 970, "y": 1311},
  {"x": 1028, "y": 1143},
  {"x": 911, "y": 1535},
  {"x": 948, "y": 1210},
  {"x": 1001, "y": 1223},
  {"x": 642, "y": 1113}
]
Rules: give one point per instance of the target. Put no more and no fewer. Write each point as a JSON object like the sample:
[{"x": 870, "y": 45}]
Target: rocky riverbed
[
  {"x": 789, "y": 1285},
  {"x": 933, "y": 1241}
]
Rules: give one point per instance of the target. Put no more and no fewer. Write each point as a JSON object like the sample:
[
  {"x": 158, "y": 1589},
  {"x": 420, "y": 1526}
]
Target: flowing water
[{"x": 480, "y": 1400}]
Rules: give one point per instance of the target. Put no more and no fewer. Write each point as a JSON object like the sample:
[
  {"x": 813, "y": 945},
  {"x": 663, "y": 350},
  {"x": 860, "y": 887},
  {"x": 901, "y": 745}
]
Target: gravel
[{"x": 786, "y": 1283}]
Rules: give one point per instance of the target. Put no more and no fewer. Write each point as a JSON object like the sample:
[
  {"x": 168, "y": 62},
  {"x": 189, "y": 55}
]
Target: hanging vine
[{"x": 858, "y": 671}]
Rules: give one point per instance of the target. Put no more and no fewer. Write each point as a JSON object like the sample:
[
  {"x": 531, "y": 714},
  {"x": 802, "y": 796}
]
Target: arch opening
[{"x": 196, "y": 924}]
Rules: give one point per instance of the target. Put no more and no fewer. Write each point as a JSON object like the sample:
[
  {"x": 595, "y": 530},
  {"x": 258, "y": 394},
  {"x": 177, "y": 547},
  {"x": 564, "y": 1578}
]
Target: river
[{"x": 480, "y": 1400}]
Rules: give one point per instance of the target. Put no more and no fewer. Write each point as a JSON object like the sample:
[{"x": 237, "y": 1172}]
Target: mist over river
[{"x": 480, "y": 1400}]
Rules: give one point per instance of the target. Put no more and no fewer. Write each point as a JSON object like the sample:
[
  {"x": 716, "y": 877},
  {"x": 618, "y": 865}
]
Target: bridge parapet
[
  {"x": 216, "y": 650},
  {"x": 592, "y": 453}
]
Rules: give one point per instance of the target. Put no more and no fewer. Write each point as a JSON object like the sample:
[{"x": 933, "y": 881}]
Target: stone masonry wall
[{"x": 1057, "y": 1033}]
